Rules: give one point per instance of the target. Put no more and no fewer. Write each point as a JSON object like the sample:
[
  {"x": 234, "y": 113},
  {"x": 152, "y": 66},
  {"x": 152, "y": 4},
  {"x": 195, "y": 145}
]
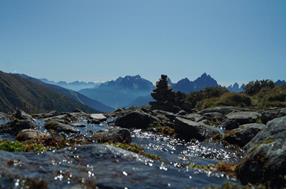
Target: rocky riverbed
[{"x": 143, "y": 148}]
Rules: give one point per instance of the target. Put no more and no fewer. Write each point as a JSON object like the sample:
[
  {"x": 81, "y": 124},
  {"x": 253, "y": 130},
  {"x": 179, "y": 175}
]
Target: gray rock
[
  {"x": 229, "y": 124},
  {"x": 98, "y": 118},
  {"x": 265, "y": 161},
  {"x": 3, "y": 115},
  {"x": 115, "y": 135},
  {"x": 181, "y": 112},
  {"x": 167, "y": 114},
  {"x": 60, "y": 127},
  {"x": 221, "y": 109},
  {"x": 194, "y": 117},
  {"x": 135, "y": 119},
  {"x": 194, "y": 130},
  {"x": 46, "y": 115},
  {"x": 268, "y": 115},
  {"x": 20, "y": 114},
  {"x": 214, "y": 115},
  {"x": 244, "y": 117},
  {"x": 16, "y": 126},
  {"x": 95, "y": 166},
  {"x": 242, "y": 135},
  {"x": 32, "y": 134}
]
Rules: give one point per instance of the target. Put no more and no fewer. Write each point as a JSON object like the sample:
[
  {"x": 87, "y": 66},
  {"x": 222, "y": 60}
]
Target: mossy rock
[
  {"x": 16, "y": 146},
  {"x": 136, "y": 149},
  {"x": 227, "y": 168}
]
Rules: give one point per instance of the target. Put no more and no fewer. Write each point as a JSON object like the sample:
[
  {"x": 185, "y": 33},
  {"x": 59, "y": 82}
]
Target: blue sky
[{"x": 98, "y": 40}]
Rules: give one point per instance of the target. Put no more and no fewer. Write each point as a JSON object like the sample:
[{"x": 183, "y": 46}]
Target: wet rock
[
  {"x": 135, "y": 119},
  {"x": 194, "y": 130},
  {"x": 242, "y": 135},
  {"x": 97, "y": 118},
  {"x": 268, "y": 115},
  {"x": 4, "y": 115},
  {"x": 16, "y": 126},
  {"x": 160, "y": 113},
  {"x": 181, "y": 112},
  {"x": 194, "y": 117},
  {"x": 97, "y": 165},
  {"x": 244, "y": 117},
  {"x": 60, "y": 127},
  {"x": 32, "y": 134},
  {"x": 115, "y": 135},
  {"x": 221, "y": 109},
  {"x": 68, "y": 118},
  {"x": 229, "y": 124},
  {"x": 46, "y": 115},
  {"x": 265, "y": 161},
  {"x": 4, "y": 118},
  {"x": 20, "y": 114},
  {"x": 214, "y": 115}
]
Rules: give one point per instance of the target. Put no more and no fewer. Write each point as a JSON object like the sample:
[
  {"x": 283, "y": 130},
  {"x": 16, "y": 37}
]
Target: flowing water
[{"x": 110, "y": 167}]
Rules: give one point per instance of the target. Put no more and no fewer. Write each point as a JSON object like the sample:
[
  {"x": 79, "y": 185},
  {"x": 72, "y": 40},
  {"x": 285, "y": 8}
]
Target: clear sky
[{"x": 98, "y": 40}]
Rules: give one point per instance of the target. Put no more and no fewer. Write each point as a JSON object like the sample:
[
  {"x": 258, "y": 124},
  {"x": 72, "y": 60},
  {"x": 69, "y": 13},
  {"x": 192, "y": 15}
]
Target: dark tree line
[{"x": 165, "y": 98}]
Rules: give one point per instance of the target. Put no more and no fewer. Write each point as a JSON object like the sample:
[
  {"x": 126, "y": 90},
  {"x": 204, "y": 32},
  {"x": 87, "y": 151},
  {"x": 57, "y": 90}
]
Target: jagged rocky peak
[
  {"x": 207, "y": 78},
  {"x": 202, "y": 82},
  {"x": 236, "y": 88},
  {"x": 129, "y": 82},
  {"x": 280, "y": 82}
]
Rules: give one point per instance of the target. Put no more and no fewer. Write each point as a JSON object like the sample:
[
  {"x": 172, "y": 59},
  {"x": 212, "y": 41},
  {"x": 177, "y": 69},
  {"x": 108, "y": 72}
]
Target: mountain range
[
  {"x": 75, "y": 85},
  {"x": 31, "y": 95},
  {"x": 120, "y": 92},
  {"x": 135, "y": 90},
  {"x": 187, "y": 86},
  {"x": 236, "y": 88}
]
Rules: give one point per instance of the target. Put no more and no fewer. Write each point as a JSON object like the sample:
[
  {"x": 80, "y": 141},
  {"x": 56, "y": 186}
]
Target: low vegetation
[
  {"x": 136, "y": 149},
  {"x": 227, "y": 168},
  {"x": 16, "y": 146},
  {"x": 257, "y": 94}
]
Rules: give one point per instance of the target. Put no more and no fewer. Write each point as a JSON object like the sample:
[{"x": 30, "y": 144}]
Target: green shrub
[
  {"x": 254, "y": 87},
  {"x": 209, "y": 93},
  {"x": 266, "y": 97},
  {"x": 226, "y": 99}
]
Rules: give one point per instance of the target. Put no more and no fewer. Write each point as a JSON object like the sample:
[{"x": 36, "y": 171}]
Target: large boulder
[
  {"x": 188, "y": 129},
  {"x": 46, "y": 115},
  {"x": 20, "y": 114},
  {"x": 268, "y": 115},
  {"x": 114, "y": 135},
  {"x": 242, "y": 135},
  {"x": 194, "y": 117},
  {"x": 220, "y": 109},
  {"x": 229, "y": 124},
  {"x": 160, "y": 113},
  {"x": 32, "y": 134},
  {"x": 135, "y": 119},
  {"x": 265, "y": 161},
  {"x": 244, "y": 117},
  {"x": 214, "y": 115},
  {"x": 14, "y": 127},
  {"x": 60, "y": 127},
  {"x": 97, "y": 118}
]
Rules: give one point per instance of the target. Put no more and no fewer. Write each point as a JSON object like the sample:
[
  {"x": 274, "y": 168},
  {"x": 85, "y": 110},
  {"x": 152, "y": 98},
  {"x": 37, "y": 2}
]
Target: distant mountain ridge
[
  {"x": 135, "y": 91},
  {"x": 120, "y": 92},
  {"x": 32, "y": 95},
  {"x": 236, "y": 88},
  {"x": 202, "y": 82},
  {"x": 75, "y": 85}
]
